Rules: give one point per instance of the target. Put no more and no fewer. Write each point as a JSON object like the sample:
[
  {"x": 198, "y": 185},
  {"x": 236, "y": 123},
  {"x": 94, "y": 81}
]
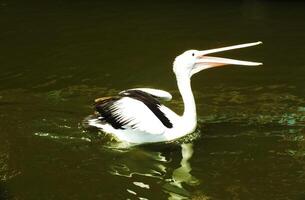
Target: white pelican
[{"x": 137, "y": 116}]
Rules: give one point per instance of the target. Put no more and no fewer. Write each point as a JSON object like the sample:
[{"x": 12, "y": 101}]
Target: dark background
[{"x": 57, "y": 56}]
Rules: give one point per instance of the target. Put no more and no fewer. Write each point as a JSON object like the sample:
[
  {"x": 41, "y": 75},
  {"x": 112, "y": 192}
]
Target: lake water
[{"x": 57, "y": 56}]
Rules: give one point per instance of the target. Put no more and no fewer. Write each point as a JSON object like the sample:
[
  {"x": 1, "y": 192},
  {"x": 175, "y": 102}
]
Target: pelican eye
[{"x": 193, "y": 54}]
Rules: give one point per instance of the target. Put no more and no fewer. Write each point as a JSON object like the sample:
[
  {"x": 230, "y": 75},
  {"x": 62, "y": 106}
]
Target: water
[{"x": 57, "y": 56}]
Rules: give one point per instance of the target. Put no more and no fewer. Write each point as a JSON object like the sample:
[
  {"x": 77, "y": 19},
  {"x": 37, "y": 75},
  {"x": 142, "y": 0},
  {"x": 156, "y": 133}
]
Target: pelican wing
[
  {"x": 134, "y": 109},
  {"x": 160, "y": 94}
]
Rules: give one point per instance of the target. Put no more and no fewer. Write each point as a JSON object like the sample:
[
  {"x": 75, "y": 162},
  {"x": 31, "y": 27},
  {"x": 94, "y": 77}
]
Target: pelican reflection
[{"x": 146, "y": 168}]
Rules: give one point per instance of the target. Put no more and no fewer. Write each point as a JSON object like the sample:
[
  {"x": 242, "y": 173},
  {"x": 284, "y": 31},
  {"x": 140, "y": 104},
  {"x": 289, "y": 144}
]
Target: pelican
[{"x": 137, "y": 116}]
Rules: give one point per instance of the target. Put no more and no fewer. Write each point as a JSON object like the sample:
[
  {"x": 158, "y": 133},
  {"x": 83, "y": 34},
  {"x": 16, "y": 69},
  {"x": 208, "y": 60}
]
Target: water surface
[{"x": 57, "y": 56}]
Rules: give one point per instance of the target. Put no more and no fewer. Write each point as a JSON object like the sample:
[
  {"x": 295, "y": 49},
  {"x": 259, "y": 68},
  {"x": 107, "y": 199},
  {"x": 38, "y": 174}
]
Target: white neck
[{"x": 189, "y": 116}]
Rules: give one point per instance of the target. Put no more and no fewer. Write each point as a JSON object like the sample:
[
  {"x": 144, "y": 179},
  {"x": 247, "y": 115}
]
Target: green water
[{"x": 57, "y": 56}]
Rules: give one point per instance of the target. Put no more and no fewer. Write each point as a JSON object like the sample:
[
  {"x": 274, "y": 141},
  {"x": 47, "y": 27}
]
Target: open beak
[{"x": 205, "y": 62}]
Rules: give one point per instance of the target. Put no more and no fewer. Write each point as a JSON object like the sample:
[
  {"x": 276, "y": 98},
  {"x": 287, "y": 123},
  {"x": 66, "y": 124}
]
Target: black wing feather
[
  {"x": 151, "y": 102},
  {"x": 105, "y": 107}
]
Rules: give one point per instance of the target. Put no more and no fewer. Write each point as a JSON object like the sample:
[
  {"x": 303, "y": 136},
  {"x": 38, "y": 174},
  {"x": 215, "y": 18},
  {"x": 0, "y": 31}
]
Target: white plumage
[{"x": 137, "y": 116}]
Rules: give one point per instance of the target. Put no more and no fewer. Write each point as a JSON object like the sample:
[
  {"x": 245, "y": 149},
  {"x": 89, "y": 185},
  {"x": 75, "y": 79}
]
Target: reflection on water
[
  {"x": 159, "y": 165},
  {"x": 182, "y": 175}
]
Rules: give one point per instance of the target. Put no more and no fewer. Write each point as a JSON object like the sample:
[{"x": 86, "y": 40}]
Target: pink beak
[{"x": 205, "y": 62}]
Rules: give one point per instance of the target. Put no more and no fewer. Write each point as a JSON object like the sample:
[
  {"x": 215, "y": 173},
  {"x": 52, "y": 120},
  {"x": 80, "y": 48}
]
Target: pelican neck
[{"x": 189, "y": 114}]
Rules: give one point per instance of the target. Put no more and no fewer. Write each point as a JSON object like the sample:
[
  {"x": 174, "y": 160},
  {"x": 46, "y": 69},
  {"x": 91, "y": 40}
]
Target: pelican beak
[{"x": 205, "y": 62}]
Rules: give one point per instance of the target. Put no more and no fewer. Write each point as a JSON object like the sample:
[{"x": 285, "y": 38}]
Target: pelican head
[{"x": 192, "y": 61}]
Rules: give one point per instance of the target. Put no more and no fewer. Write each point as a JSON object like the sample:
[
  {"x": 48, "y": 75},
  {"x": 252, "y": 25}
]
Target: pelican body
[{"x": 137, "y": 116}]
